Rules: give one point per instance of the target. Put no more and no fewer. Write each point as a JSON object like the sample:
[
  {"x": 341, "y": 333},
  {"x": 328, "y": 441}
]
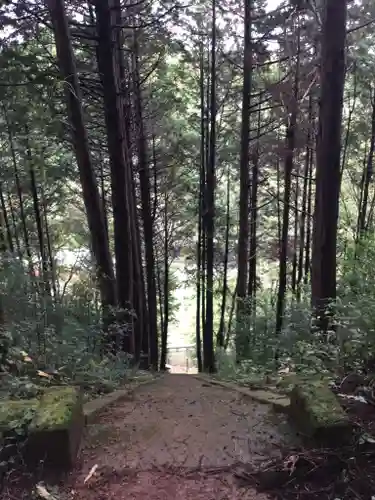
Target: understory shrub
[
  {"x": 52, "y": 340},
  {"x": 348, "y": 345}
]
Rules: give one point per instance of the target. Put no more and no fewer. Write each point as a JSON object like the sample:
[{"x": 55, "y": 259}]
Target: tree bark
[
  {"x": 328, "y": 158},
  {"x": 288, "y": 169},
  {"x": 243, "y": 235},
  {"x": 302, "y": 228},
  {"x": 208, "y": 347},
  {"x": 19, "y": 190},
  {"x": 121, "y": 189},
  {"x": 15, "y": 231},
  {"x": 90, "y": 191},
  {"x": 39, "y": 222},
  {"x": 164, "y": 333},
  {"x": 6, "y": 221},
  {"x": 280, "y": 304},
  {"x": 367, "y": 178},
  {"x": 200, "y": 211},
  {"x": 252, "y": 285},
  {"x": 148, "y": 230},
  {"x": 220, "y": 335}
]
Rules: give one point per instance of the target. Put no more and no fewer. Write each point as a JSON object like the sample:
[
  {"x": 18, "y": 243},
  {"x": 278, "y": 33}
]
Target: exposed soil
[
  {"x": 179, "y": 439},
  {"x": 344, "y": 472},
  {"x": 316, "y": 474}
]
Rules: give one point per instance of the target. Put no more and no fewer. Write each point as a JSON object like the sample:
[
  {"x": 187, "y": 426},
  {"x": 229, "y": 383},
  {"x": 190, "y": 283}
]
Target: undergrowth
[
  {"x": 348, "y": 346},
  {"x": 50, "y": 340}
]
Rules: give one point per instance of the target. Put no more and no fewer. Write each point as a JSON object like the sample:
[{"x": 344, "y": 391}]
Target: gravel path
[{"x": 178, "y": 439}]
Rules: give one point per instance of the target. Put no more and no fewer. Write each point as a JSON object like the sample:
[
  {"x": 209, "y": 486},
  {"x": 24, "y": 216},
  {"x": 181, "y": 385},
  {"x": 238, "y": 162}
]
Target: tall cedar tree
[
  {"x": 243, "y": 235},
  {"x": 148, "y": 231},
  {"x": 328, "y": 158},
  {"x": 208, "y": 337},
  {"x": 252, "y": 283},
  {"x": 288, "y": 170},
  {"x": 95, "y": 218},
  {"x": 109, "y": 69},
  {"x": 367, "y": 178},
  {"x": 200, "y": 198}
]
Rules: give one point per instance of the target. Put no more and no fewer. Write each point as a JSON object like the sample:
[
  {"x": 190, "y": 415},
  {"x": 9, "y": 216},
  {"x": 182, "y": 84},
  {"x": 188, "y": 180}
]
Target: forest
[{"x": 235, "y": 137}]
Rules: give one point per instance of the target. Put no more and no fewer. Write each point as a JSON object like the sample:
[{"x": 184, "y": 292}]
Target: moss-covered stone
[
  {"x": 56, "y": 430},
  {"x": 52, "y": 426},
  {"x": 56, "y": 408},
  {"x": 17, "y": 414},
  {"x": 318, "y": 413},
  {"x": 288, "y": 381}
]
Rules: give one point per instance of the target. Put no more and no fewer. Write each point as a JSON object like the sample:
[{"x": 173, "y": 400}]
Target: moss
[
  {"x": 288, "y": 381},
  {"x": 17, "y": 414},
  {"x": 55, "y": 409},
  {"x": 316, "y": 399}
]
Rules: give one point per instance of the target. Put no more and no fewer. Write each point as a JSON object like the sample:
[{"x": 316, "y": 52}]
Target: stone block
[
  {"x": 55, "y": 432},
  {"x": 49, "y": 428},
  {"x": 316, "y": 411}
]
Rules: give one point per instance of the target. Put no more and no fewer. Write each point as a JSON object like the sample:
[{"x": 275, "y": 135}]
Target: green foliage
[
  {"x": 350, "y": 345},
  {"x": 356, "y": 324},
  {"x": 56, "y": 408},
  {"x": 173, "y": 302},
  {"x": 17, "y": 414},
  {"x": 52, "y": 341},
  {"x": 61, "y": 334}
]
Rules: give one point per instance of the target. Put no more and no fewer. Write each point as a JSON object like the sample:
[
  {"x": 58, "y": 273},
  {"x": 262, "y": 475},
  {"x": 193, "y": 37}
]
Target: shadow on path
[{"x": 178, "y": 439}]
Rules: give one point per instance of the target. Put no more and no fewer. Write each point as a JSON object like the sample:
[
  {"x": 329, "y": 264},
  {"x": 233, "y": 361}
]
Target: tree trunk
[
  {"x": 51, "y": 263},
  {"x": 243, "y": 235},
  {"x": 19, "y": 190},
  {"x": 328, "y": 159},
  {"x": 252, "y": 285},
  {"x": 121, "y": 189},
  {"x": 302, "y": 228},
  {"x": 164, "y": 333},
  {"x": 200, "y": 210},
  {"x": 103, "y": 191},
  {"x": 148, "y": 231},
  {"x": 39, "y": 222},
  {"x": 208, "y": 347},
  {"x": 6, "y": 221},
  {"x": 309, "y": 220},
  {"x": 288, "y": 170},
  {"x": 280, "y": 305},
  {"x": 15, "y": 231},
  {"x": 367, "y": 178},
  {"x": 140, "y": 335},
  {"x": 90, "y": 191},
  {"x": 295, "y": 236},
  {"x": 220, "y": 334},
  {"x": 204, "y": 200}
]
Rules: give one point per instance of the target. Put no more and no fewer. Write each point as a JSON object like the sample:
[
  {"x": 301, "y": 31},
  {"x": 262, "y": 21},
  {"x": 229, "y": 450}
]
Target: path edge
[
  {"x": 277, "y": 401},
  {"x": 93, "y": 408}
]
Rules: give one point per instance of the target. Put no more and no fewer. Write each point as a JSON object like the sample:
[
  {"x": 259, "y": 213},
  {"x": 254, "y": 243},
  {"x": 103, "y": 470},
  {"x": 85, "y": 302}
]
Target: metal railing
[{"x": 182, "y": 357}]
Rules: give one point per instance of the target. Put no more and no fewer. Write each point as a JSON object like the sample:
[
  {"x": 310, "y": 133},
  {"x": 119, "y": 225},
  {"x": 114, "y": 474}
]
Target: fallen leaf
[
  {"x": 43, "y": 493},
  {"x": 367, "y": 438},
  {"x": 26, "y": 357},
  {"x": 360, "y": 399},
  {"x": 91, "y": 473},
  {"x": 290, "y": 463}
]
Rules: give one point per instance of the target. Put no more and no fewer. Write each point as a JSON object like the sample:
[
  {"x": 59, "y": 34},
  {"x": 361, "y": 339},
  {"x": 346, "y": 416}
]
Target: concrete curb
[
  {"x": 279, "y": 402},
  {"x": 92, "y": 409}
]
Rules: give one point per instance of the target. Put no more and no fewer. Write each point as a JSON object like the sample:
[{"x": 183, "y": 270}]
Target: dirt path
[{"x": 176, "y": 440}]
